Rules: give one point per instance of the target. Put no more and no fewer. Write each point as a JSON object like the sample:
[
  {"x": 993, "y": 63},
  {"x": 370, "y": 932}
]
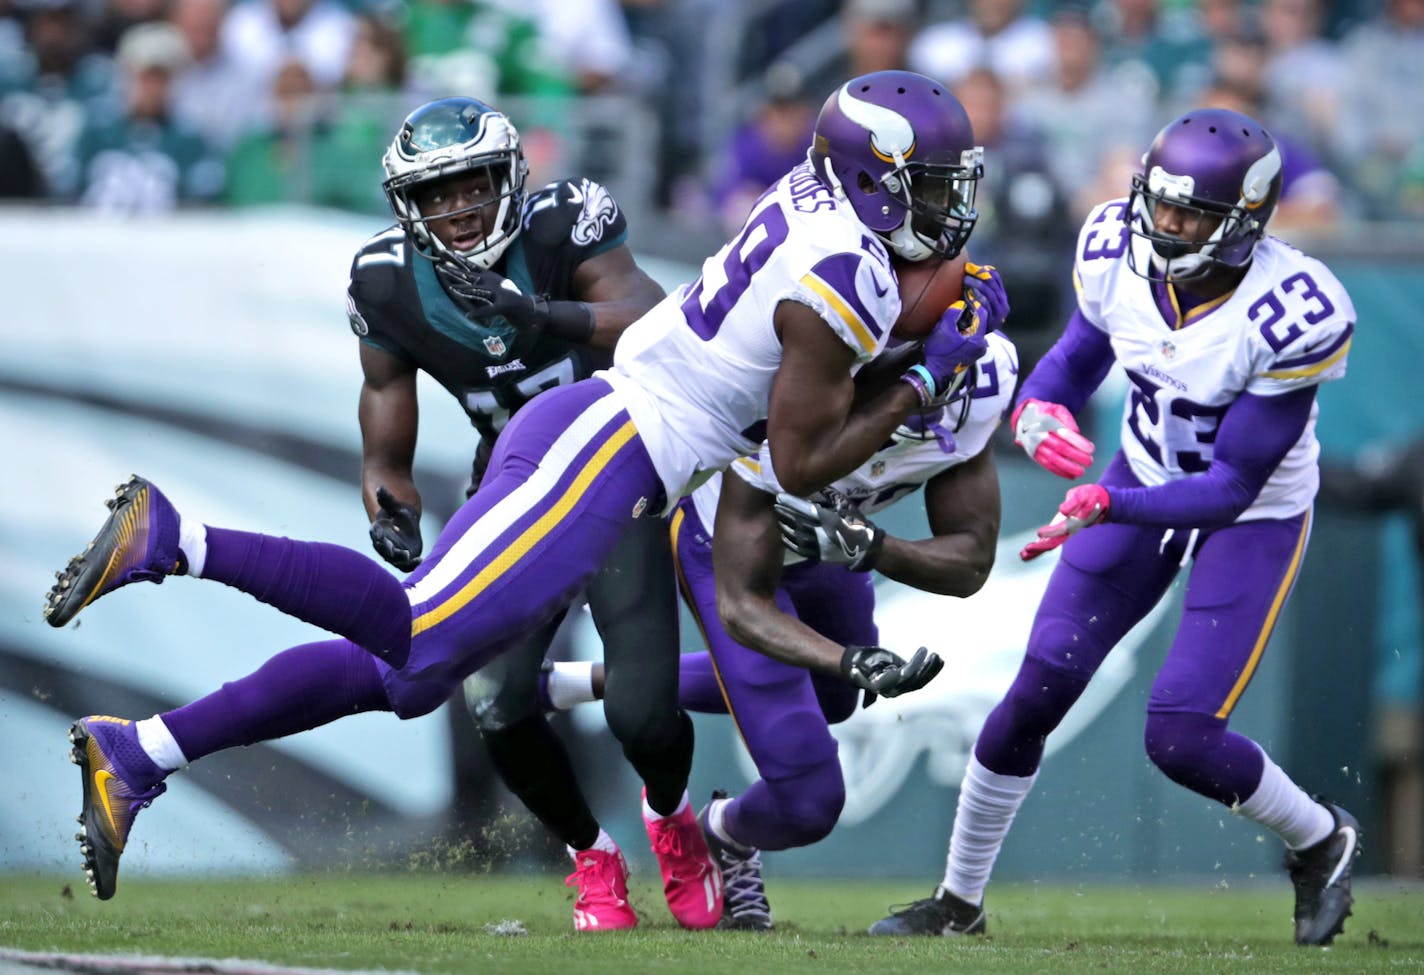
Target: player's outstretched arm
[
  {"x": 747, "y": 557},
  {"x": 389, "y": 414},
  {"x": 817, "y": 431}
]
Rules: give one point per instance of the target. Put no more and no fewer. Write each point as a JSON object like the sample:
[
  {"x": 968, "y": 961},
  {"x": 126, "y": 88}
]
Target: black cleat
[
  {"x": 744, "y": 903},
  {"x": 137, "y": 543},
  {"x": 107, "y": 753},
  {"x": 943, "y": 914},
  {"x": 1321, "y": 875}
]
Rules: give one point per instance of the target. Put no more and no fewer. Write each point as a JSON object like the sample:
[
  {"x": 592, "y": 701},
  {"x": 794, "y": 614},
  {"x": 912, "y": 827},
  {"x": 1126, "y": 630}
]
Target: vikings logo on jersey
[{"x": 599, "y": 212}]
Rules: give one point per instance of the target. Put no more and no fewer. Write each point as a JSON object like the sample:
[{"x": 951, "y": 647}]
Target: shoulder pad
[
  {"x": 857, "y": 297},
  {"x": 579, "y": 210},
  {"x": 1303, "y": 326}
]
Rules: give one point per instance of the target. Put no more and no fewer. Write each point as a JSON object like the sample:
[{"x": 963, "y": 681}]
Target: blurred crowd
[{"x": 143, "y": 105}]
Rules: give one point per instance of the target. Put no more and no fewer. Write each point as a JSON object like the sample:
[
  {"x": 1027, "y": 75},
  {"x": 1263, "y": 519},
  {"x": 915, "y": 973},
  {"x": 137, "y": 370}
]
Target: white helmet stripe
[
  {"x": 1256, "y": 185},
  {"x": 890, "y": 132}
]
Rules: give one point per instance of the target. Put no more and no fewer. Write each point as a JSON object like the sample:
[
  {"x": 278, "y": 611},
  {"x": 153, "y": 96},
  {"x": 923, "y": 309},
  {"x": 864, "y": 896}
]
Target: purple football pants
[
  {"x": 565, "y": 481},
  {"x": 1107, "y": 580},
  {"x": 782, "y": 711}
]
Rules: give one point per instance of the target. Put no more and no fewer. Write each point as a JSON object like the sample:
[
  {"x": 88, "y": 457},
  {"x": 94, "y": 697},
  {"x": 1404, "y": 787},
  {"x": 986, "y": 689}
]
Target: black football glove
[
  {"x": 396, "y": 532},
  {"x": 484, "y": 294},
  {"x": 821, "y": 534},
  {"x": 881, "y": 672}
]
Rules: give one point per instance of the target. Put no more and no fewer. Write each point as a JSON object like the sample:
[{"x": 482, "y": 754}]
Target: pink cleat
[
  {"x": 602, "y": 882},
  {"x": 692, "y": 881}
]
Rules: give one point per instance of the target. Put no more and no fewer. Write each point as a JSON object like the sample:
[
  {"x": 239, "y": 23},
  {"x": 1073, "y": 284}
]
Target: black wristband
[{"x": 571, "y": 321}]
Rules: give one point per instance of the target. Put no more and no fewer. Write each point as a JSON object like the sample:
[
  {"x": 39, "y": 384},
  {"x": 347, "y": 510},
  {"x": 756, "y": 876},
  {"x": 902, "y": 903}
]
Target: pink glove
[
  {"x": 1085, "y": 505},
  {"x": 1048, "y": 433}
]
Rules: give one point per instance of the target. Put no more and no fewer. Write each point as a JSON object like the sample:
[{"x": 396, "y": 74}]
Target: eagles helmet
[
  {"x": 1219, "y": 165},
  {"x": 445, "y": 138},
  {"x": 899, "y": 148}
]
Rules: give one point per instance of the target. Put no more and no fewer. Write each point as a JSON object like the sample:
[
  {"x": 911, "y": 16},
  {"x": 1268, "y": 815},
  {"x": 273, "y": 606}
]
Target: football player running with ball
[
  {"x": 736, "y": 586},
  {"x": 1225, "y": 334},
  {"x": 501, "y": 296},
  {"x": 763, "y": 346}
]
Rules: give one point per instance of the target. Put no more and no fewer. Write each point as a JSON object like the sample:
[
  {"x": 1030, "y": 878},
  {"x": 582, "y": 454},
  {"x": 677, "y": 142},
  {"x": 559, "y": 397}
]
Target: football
[{"x": 927, "y": 288}]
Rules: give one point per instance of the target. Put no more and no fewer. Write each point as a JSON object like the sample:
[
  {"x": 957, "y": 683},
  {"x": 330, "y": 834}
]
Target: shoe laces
[
  {"x": 595, "y": 877},
  {"x": 926, "y": 909},
  {"x": 742, "y": 884},
  {"x": 667, "y": 838}
]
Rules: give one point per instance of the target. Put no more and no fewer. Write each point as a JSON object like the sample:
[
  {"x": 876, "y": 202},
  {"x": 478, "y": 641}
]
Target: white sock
[
  {"x": 652, "y": 816},
  {"x": 570, "y": 683},
  {"x": 988, "y": 803},
  {"x": 604, "y": 843},
  {"x": 155, "y": 739},
  {"x": 717, "y": 823},
  {"x": 193, "y": 543},
  {"x": 1283, "y": 807}
]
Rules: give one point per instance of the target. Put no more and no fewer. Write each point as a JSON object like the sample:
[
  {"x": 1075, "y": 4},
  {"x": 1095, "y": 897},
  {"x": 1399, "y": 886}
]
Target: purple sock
[
  {"x": 328, "y": 585},
  {"x": 298, "y": 689}
]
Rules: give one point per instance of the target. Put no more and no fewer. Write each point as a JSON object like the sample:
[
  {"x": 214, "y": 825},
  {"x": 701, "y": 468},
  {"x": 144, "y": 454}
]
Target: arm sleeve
[
  {"x": 1071, "y": 370},
  {"x": 1256, "y": 434}
]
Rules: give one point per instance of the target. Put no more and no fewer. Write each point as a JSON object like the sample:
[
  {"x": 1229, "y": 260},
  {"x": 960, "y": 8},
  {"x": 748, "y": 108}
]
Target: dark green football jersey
[{"x": 396, "y": 303}]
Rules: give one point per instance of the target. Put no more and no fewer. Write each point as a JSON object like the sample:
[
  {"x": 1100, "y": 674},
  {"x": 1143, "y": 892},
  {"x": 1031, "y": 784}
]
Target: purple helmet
[
  {"x": 1223, "y": 169},
  {"x": 899, "y": 148}
]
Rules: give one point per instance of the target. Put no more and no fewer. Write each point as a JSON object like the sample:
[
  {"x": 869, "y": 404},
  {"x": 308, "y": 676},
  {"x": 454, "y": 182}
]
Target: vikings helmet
[
  {"x": 1217, "y": 165},
  {"x": 445, "y": 138},
  {"x": 899, "y": 148}
]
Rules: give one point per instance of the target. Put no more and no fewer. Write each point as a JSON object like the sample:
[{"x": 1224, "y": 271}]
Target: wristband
[
  {"x": 919, "y": 377},
  {"x": 571, "y": 321}
]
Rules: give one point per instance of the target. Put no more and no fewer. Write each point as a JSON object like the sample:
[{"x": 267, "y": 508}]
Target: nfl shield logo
[
  {"x": 494, "y": 345},
  {"x": 1169, "y": 351},
  {"x": 877, "y": 468}
]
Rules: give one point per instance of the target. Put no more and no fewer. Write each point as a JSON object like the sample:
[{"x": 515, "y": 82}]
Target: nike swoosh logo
[
  {"x": 101, "y": 782},
  {"x": 1350, "y": 841},
  {"x": 875, "y": 283}
]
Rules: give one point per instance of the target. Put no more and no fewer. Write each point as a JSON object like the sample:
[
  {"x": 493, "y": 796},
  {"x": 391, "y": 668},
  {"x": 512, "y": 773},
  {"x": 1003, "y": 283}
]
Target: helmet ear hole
[{"x": 866, "y": 184}]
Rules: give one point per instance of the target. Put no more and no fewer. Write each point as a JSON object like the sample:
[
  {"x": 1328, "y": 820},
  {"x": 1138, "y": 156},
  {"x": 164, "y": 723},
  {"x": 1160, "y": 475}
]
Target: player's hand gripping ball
[{"x": 927, "y": 289}]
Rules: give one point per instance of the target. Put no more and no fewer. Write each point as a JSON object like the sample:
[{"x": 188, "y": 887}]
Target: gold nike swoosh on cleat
[{"x": 102, "y": 778}]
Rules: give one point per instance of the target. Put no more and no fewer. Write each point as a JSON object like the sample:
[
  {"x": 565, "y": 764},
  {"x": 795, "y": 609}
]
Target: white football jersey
[
  {"x": 695, "y": 372},
  {"x": 1287, "y": 325},
  {"x": 909, "y": 459}
]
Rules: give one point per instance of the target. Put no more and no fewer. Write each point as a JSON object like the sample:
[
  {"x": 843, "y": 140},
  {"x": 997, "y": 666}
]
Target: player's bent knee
[
  {"x": 415, "y": 699},
  {"x": 1037, "y": 700},
  {"x": 1182, "y": 744},
  {"x": 810, "y": 806}
]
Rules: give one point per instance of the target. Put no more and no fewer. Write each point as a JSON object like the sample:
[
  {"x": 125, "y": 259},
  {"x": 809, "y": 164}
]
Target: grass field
[{"x": 433, "y": 923}]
